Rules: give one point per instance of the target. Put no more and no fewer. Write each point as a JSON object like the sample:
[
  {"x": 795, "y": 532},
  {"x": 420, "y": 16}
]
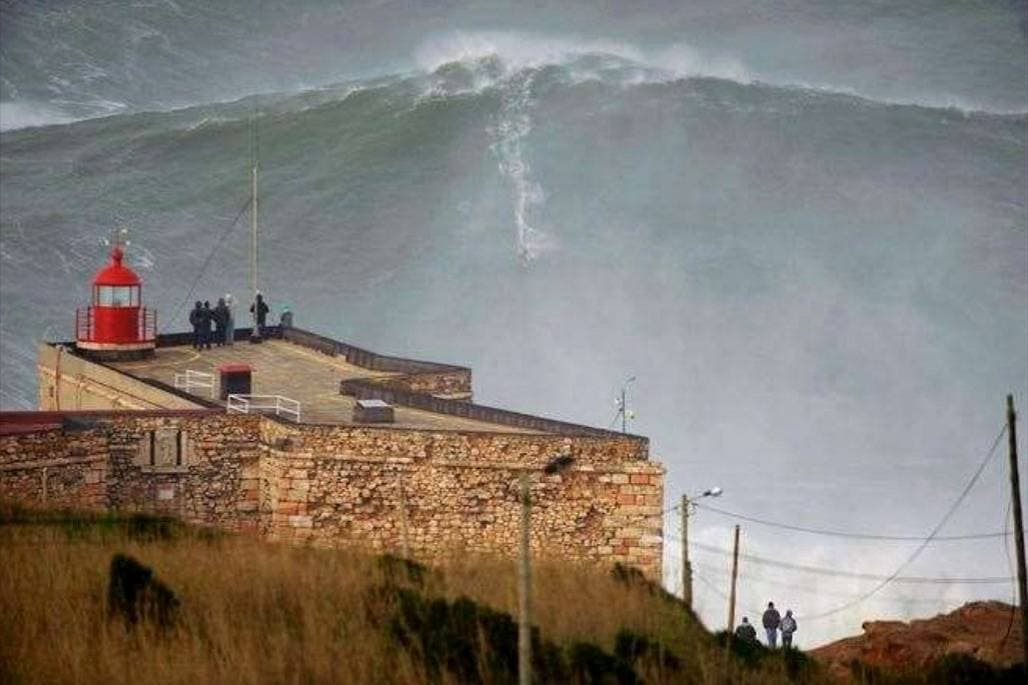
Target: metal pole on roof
[{"x": 255, "y": 335}]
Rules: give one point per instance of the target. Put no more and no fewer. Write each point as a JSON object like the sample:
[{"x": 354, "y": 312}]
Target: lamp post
[
  {"x": 554, "y": 466},
  {"x": 686, "y": 566}
]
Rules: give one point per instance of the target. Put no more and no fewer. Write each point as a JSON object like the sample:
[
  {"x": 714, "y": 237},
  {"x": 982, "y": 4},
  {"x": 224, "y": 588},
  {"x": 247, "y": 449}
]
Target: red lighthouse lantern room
[{"x": 116, "y": 325}]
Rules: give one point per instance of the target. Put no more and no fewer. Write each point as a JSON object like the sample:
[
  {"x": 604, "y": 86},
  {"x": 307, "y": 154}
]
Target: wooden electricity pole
[
  {"x": 524, "y": 589},
  {"x": 686, "y": 566},
  {"x": 735, "y": 577},
  {"x": 1015, "y": 494},
  {"x": 405, "y": 541}
]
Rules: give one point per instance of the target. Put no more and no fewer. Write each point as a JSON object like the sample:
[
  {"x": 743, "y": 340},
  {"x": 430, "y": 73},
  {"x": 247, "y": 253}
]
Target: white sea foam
[
  {"x": 514, "y": 122},
  {"x": 516, "y": 51},
  {"x": 15, "y": 115}
]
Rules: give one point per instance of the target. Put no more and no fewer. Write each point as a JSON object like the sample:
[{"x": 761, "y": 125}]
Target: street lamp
[
  {"x": 687, "y": 502},
  {"x": 554, "y": 466}
]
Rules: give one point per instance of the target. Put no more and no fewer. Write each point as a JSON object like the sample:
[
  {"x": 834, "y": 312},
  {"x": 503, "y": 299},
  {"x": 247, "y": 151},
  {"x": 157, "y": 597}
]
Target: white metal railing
[
  {"x": 246, "y": 404},
  {"x": 195, "y": 379}
]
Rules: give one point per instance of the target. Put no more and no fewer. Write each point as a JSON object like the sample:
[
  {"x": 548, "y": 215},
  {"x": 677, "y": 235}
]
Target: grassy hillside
[{"x": 254, "y": 612}]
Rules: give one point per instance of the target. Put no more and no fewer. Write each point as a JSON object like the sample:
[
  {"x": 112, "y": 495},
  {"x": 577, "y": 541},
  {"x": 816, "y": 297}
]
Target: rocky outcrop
[{"x": 987, "y": 631}]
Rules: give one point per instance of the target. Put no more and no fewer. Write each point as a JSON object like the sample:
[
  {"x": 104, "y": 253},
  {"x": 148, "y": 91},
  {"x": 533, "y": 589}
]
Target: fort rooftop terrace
[{"x": 327, "y": 377}]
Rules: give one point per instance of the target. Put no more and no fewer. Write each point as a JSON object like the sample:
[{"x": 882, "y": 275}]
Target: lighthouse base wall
[
  {"x": 116, "y": 352},
  {"x": 69, "y": 382}
]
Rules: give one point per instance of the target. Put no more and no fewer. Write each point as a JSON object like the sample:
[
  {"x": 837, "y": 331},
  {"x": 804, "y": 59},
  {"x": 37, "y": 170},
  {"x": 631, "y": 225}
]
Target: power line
[
  {"x": 808, "y": 589},
  {"x": 819, "y": 570},
  {"x": 210, "y": 256},
  {"x": 920, "y": 548},
  {"x": 716, "y": 590},
  {"x": 846, "y": 534}
]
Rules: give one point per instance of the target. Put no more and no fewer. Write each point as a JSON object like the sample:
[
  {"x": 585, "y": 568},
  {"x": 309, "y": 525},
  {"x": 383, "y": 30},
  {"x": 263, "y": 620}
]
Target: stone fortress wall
[
  {"x": 342, "y": 485},
  {"x": 333, "y": 484}
]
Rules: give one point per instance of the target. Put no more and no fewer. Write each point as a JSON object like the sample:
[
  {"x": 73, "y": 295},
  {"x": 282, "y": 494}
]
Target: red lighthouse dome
[{"x": 116, "y": 325}]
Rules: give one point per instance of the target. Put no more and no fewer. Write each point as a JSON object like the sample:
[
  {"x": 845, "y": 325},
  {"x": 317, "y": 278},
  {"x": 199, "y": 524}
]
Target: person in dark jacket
[
  {"x": 788, "y": 628},
  {"x": 745, "y": 631},
  {"x": 221, "y": 316},
  {"x": 206, "y": 319},
  {"x": 230, "y": 323},
  {"x": 260, "y": 309},
  {"x": 195, "y": 320},
  {"x": 772, "y": 619}
]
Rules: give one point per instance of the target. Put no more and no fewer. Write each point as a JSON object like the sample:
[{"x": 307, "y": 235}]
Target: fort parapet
[{"x": 440, "y": 478}]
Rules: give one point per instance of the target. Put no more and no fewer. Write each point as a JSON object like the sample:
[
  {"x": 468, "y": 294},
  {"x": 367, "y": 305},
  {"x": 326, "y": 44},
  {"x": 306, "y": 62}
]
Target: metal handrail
[
  {"x": 246, "y": 404},
  {"x": 195, "y": 379}
]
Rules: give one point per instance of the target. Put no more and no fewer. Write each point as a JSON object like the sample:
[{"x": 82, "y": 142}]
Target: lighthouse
[{"x": 115, "y": 325}]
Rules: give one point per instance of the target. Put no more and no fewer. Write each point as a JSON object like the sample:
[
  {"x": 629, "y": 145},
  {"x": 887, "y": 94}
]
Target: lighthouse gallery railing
[{"x": 85, "y": 325}]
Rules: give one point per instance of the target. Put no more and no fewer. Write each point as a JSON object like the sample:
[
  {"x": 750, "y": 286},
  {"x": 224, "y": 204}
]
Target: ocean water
[{"x": 804, "y": 232}]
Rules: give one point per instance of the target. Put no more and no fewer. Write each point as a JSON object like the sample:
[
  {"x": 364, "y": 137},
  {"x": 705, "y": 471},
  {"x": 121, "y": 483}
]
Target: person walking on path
[
  {"x": 230, "y": 321},
  {"x": 746, "y": 632},
  {"x": 772, "y": 619},
  {"x": 260, "y": 309},
  {"x": 206, "y": 319},
  {"x": 220, "y": 322},
  {"x": 788, "y": 628},
  {"x": 195, "y": 320}
]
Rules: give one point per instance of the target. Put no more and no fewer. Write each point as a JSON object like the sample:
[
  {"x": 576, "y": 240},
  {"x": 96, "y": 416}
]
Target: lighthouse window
[{"x": 118, "y": 296}]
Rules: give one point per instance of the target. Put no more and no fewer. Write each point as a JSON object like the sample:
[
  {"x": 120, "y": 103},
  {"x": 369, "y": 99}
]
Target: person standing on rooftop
[
  {"x": 221, "y": 315},
  {"x": 206, "y": 319},
  {"x": 230, "y": 321},
  {"x": 195, "y": 320},
  {"x": 260, "y": 311}
]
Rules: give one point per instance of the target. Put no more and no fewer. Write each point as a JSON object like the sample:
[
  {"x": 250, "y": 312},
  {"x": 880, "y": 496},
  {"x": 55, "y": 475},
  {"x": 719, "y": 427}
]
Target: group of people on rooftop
[
  {"x": 773, "y": 622},
  {"x": 217, "y": 326}
]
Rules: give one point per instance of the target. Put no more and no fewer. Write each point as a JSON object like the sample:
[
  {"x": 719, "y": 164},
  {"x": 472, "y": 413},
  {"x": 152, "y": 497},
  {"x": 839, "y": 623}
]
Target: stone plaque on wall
[
  {"x": 167, "y": 450},
  {"x": 164, "y": 448}
]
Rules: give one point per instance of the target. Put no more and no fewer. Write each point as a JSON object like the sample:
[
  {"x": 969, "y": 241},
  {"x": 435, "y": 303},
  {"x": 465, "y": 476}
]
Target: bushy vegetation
[
  {"x": 238, "y": 610},
  {"x": 953, "y": 669}
]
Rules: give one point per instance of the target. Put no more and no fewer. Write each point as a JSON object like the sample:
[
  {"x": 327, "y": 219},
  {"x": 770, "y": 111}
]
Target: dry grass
[{"x": 254, "y": 612}]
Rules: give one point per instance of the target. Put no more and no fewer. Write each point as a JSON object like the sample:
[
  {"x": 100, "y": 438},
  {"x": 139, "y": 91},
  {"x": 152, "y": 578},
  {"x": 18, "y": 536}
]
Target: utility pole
[
  {"x": 1015, "y": 494},
  {"x": 524, "y": 589},
  {"x": 686, "y": 565},
  {"x": 735, "y": 576},
  {"x": 405, "y": 541}
]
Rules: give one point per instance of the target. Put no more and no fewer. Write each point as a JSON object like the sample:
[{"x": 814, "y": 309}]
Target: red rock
[{"x": 980, "y": 629}]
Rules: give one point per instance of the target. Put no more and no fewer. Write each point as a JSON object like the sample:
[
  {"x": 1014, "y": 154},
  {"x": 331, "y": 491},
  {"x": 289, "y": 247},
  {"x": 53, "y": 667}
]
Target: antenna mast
[{"x": 255, "y": 335}]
